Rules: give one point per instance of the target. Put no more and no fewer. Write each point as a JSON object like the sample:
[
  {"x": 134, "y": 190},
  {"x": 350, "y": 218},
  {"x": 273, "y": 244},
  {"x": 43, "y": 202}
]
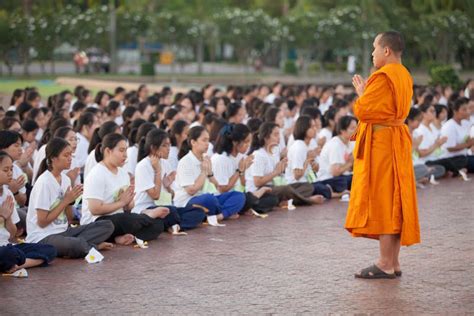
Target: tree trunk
[{"x": 200, "y": 54}]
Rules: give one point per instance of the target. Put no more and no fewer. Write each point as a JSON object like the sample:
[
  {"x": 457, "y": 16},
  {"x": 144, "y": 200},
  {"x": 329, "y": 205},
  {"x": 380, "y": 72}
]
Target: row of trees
[{"x": 319, "y": 32}]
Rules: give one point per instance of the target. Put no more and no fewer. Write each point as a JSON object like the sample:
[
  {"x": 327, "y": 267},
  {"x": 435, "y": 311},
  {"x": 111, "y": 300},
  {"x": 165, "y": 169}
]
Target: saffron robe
[{"x": 383, "y": 194}]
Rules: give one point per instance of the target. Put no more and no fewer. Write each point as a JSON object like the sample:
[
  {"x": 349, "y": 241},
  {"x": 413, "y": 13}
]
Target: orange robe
[{"x": 383, "y": 194}]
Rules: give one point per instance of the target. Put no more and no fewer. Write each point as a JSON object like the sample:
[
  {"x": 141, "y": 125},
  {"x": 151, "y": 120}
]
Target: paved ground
[{"x": 298, "y": 262}]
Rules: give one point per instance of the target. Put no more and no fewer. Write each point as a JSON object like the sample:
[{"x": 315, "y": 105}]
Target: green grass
[{"x": 46, "y": 87}]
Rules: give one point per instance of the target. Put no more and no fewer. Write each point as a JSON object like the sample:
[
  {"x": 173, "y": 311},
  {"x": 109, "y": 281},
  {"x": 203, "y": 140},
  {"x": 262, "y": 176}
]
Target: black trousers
[
  {"x": 262, "y": 205},
  {"x": 453, "y": 164},
  {"x": 140, "y": 225}
]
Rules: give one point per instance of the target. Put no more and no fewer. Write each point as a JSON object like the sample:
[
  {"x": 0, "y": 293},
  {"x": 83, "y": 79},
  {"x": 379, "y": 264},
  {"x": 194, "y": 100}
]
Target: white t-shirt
[
  {"x": 145, "y": 180},
  {"x": 334, "y": 152},
  {"x": 90, "y": 163},
  {"x": 429, "y": 138},
  {"x": 132, "y": 157},
  {"x": 224, "y": 167},
  {"x": 297, "y": 154},
  {"x": 326, "y": 134},
  {"x": 47, "y": 193},
  {"x": 81, "y": 150},
  {"x": 40, "y": 155},
  {"x": 173, "y": 157},
  {"x": 457, "y": 134},
  {"x": 17, "y": 172},
  {"x": 263, "y": 164},
  {"x": 4, "y": 234},
  {"x": 189, "y": 169},
  {"x": 101, "y": 184}
]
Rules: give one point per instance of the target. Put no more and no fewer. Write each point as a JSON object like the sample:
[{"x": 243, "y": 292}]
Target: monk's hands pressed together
[{"x": 359, "y": 84}]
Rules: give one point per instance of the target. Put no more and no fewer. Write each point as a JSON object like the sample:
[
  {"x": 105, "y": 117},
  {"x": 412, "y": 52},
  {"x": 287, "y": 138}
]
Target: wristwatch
[
  {"x": 239, "y": 171},
  {"x": 210, "y": 175}
]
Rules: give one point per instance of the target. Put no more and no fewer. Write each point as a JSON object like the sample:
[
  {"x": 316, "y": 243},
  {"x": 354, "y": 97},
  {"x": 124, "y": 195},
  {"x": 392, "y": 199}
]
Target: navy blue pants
[
  {"x": 185, "y": 217},
  {"x": 11, "y": 255},
  {"x": 228, "y": 203},
  {"x": 322, "y": 189},
  {"x": 339, "y": 184}
]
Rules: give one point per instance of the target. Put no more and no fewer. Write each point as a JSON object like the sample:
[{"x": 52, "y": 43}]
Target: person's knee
[{"x": 105, "y": 226}]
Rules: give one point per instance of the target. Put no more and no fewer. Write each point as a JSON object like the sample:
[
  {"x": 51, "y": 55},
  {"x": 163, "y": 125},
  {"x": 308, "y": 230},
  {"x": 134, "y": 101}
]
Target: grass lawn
[{"x": 46, "y": 87}]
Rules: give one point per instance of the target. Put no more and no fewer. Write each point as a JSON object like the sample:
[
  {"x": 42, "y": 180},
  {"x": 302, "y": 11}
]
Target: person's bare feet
[
  {"x": 235, "y": 216},
  {"x": 317, "y": 199},
  {"x": 385, "y": 268},
  {"x": 260, "y": 192},
  {"x": 105, "y": 246},
  {"x": 125, "y": 240},
  {"x": 220, "y": 217},
  {"x": 283, "y": 204},
  {"x": 13, "y": 269},
  {"x": 158, "y": 212}
]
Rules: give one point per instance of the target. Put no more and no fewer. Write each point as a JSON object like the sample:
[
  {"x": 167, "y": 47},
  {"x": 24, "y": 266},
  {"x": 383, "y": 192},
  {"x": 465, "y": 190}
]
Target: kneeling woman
[
  {"x": 49, "y": 209},
  {"x": 108, "y": 195},
  {"x": 196, "y": 183},
  {"x": 154, "y": 178},
  {"x": 16, "y": 256},
  {"x": 230, "y": 163}
]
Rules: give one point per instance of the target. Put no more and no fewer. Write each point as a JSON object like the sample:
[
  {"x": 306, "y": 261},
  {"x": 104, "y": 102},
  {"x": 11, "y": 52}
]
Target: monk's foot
[
  {"x": 375, "y": 272},
  {"x": 385, "y": 267}
]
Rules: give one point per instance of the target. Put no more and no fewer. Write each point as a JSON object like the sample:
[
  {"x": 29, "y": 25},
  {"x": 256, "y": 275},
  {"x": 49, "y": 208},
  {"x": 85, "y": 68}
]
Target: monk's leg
[
  {"x": 396, "y": 252},
  {"x": 387, "y": 251}
]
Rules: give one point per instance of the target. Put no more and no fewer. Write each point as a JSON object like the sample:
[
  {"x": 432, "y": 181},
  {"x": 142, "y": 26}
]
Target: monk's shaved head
[{"x": 392, "y": 40}]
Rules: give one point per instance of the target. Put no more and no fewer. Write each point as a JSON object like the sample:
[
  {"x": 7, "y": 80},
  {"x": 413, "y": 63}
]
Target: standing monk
[{"x": 383, "y": 202}]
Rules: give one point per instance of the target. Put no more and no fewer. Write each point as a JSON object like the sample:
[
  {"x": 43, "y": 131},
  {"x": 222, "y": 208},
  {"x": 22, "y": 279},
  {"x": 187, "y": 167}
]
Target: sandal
[
  {"x": 398, "y": 273},
  {"x": 374, "y": 272}
]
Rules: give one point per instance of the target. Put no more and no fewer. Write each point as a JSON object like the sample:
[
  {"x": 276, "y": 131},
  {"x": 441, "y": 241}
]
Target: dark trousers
[
  {"x": 11, "y": 255},
  {"x": 76, "y": 242},
  {"x": 140, "y": 225},
  {"x": 453, "y": 164},
  {"x": 339, "y": 184},
  {"x": 262, "y": 205}
]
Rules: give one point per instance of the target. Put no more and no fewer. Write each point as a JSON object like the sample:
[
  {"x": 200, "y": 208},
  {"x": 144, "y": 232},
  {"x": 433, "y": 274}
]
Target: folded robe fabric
[{"x": 383, "y": 195}]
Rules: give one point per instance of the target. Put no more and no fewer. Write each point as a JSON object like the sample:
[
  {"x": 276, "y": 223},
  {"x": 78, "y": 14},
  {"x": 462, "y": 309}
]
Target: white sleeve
[
  {"x": 336, "y": 155},
  {"x": 94, "y": 185},
  {"x": 258, "y": 166},
  {"x": 425, "y": 142},
  {"x": 297, "y": 157},
  {"x": 44, "y": 196},
  {"x": 220, "y": 170},
  {"x": 144, "y": 177},
  {"x": 185, "y": 174},
  {"x": 450, "y": 132}
]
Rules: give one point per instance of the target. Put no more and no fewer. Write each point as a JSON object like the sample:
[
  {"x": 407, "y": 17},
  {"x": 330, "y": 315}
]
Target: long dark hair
[
  {"x": 177, "y": 129},
  {"x": 53, "y": 149},
  {"x": 133, "y": 130},
  {"x": 229, "y": 134},
  {"x": 51, "y": 129},
  {"x": 100, "y": 132},
  {"x": 264, "y": 132},
  {"x": 154, "y": 139},
  {"x": 193, "y": 134},
  {"x": 110, "y": 141},
  {"x": 302, "y": 124},
  {"x": 143, "y": 131}
]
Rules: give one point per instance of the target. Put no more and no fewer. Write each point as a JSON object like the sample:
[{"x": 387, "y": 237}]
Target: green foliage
[
  {"x": 444, "y": 75},
  {"x": 290, "y": 67}
]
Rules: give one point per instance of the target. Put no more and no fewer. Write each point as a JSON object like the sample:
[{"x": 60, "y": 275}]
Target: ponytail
[
  {"x": 108, "y": 127},
  {"x": 193, "y": 134},
  {"x": 258, "y": 139},
  {"x": 154, "y": 138},
  {"x": 110, "y": 141}
]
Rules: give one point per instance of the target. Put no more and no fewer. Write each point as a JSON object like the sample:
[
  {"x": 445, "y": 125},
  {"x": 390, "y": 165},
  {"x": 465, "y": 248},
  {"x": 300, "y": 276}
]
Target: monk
[{"x": 383, "y": 202}]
